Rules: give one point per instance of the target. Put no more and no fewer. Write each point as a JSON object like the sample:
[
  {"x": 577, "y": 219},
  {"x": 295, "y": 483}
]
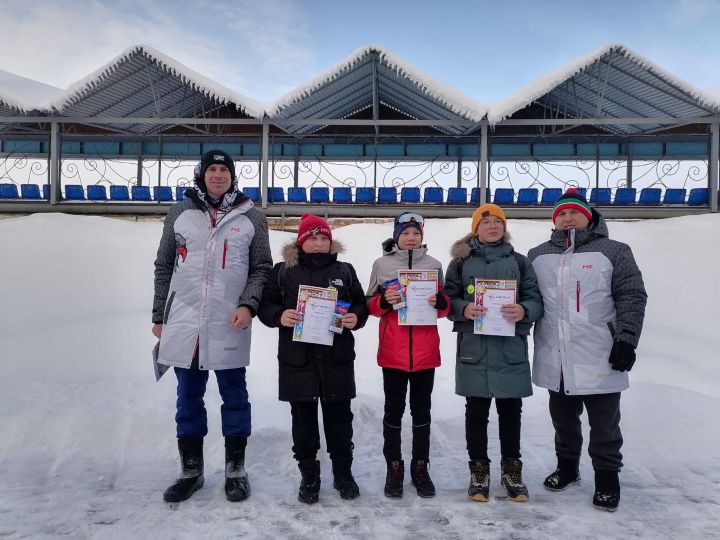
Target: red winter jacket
[{"x": 409, "y": 348}]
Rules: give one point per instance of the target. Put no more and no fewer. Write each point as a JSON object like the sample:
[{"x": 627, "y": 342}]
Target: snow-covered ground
[{"x": 88, "y": 443}]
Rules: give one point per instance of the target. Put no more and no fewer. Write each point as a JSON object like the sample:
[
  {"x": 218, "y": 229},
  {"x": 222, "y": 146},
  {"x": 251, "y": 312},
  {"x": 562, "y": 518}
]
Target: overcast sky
[{"x": 264, "y": 48}]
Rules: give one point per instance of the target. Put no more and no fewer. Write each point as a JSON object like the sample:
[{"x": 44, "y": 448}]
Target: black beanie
[{"x": 214, "y": 157}]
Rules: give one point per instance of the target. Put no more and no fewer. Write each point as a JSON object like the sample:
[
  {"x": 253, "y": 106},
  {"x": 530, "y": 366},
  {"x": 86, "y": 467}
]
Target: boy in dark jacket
[
  {"x": 309, "y": 373},
  {"x": 492, "y": 366}
]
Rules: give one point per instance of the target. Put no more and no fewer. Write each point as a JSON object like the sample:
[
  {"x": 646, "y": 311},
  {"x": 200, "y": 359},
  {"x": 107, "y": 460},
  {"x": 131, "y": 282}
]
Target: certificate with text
[
  {"x": 493, "y": 294},
  {"x": 418, "y": 286},
  {"x": 316, "y": 306}
]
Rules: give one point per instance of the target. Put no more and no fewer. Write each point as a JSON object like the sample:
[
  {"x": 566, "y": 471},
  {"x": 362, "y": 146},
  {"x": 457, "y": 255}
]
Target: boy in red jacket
[{"x": 407, "y": 354}]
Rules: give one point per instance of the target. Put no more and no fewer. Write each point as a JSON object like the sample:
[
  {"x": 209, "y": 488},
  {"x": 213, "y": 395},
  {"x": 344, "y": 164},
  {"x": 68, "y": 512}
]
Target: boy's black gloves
[
  {"x": 622, "y": 356},
  {"x": 440, "y": 302}
]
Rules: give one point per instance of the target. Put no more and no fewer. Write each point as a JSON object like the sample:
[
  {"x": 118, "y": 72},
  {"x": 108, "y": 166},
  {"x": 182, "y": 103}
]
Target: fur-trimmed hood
[
  {"x": 291, "y": 253},
  {"x": 461, "y": 249}
]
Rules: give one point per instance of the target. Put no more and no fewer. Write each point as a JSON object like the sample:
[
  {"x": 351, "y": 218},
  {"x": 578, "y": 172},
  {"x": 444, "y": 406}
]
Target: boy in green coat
[{"x": 492, "y": 366}]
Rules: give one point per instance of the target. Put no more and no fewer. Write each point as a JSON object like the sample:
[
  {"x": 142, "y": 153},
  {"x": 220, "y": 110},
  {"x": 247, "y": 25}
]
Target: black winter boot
[
  {"x": 566, "y": 475},
  {"x": 310, "y": 483},
  {"x": 511, "y": 479},
  {"x": 394, "y": 479},
  {"x": 607, "y": 490},
  {"x": 237, "y": 485},
  {"x": 479, "y": 489},
  {"x": 191, "y": 473},
  {"x": 421, "y": 478},
  {"x": 343, "y": 479}
]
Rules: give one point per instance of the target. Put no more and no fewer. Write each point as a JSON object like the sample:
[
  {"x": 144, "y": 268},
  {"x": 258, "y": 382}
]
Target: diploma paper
[
  {"x": 418, "y": 285},
  {"x": 316, "y": 306},
  {"x": 493, "y": 294},
  {"x": 159, "y": 369}
]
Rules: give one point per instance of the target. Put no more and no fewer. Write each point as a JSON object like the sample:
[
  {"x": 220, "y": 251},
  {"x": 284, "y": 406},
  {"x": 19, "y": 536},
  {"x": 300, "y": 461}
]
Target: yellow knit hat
[{"x": 487, "y": 210}]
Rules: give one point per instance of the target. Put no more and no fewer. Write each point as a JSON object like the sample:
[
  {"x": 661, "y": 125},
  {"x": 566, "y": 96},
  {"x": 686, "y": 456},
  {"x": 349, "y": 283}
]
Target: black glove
[
  {"x": 440, "y": 302},
  {"x": 622, "y": 356}
]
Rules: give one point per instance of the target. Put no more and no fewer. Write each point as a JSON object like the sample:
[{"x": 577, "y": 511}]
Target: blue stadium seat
[
  {"x": 581, "y": 191},
  {"x": 96, "y": 193},
  {"x": 119, "y": 193},
  {"x": 253, "y": 193},
  {"x": 527, "y": 196},
  {"x": 180, "y": 192},
  {"x": 297, "y": 195},
  {"x": 504, "y": 196},
  {"x": 410, "y": 195},
  {"x": 601, "y": 196},
  {"x": 140, "y": 193},
  {"x": 625, "y": 196},
  {"x": 46, "y": 191},
  {"x": 387, "y": 195},
  {"x": 433, "y": 195},
  {"x": 674, "y": 196},
  {"x": 319, "y": 195},
  {"x": 650, "y": 196},
  {"x": 8, "y": 191},
  {"x": 342, "y": 195},
  {"x": 74, "y": 192},
  {"x": 30, "y": 191},
  {"x": 276, "y": 195},
  {"x": 457, "y": 195},
  {"x": 365, "y": 195},
  {"x": 550, "y": 196},
  {"x": 475, "y": 195},
  {"x": 162, "y": 193},
  {"x": 698, "y": 197}
]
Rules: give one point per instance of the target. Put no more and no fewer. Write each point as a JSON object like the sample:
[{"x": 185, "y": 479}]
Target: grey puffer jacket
[
  {"x": 594, "y": 293},
  {"x": 490, "y": 366},
  {"x": 209, "y": 262}
]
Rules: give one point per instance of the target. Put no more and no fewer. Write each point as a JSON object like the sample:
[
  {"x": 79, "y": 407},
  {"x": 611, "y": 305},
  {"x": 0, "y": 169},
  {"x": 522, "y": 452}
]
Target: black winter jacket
[{"x": 307, "y": 372}]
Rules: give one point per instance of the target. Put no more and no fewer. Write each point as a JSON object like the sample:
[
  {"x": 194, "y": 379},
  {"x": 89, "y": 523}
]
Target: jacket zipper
[
  {"x": 577, "y": 296},
  {"x": 224, "y": 252},
  {"x": 410, "y": 328}
]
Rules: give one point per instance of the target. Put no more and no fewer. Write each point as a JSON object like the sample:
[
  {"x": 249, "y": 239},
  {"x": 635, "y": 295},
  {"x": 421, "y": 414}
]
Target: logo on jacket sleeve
[
  {"x": 337, "y": 282},
  {"x": 180, "y": 249}
]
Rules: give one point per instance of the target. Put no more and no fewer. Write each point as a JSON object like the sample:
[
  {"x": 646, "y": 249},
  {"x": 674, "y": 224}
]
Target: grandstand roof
[
  {"x": 349, "y": 87},
  {"x": 612, "y": 82}
]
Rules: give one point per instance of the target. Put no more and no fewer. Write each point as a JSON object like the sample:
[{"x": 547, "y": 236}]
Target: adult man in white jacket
[
  {"x": 211, "y": 267},
  {"x": 585, "y": 343}
]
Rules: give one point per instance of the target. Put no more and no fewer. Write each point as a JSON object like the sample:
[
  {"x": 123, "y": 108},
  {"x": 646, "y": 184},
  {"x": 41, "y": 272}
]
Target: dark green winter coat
[{"x": 491, "y": 366}]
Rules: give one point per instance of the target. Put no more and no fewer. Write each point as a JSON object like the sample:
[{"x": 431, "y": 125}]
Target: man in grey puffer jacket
[
  {"x": 585, "y": 344},
  {"x": 212, "y": 263}
]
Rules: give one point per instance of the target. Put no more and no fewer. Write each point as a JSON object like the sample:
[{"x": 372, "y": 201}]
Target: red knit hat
[{"x": 310, "y": 226}]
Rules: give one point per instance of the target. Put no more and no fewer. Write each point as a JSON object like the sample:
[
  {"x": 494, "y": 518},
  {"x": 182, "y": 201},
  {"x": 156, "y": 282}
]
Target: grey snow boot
[
  {"x": 566, "y": 475},
  {"x": 237, "y": 485},
  {"x": 309, "y": 491},
  {"x": 191, "y": 474},
  {"x": 511, "y": 479},
  {"x": 479, "y": 489},
  {"x": 607, "y": 490}
]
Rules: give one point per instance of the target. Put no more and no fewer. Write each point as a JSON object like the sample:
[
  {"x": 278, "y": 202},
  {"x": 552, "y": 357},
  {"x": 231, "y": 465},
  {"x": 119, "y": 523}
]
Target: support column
[
  {"x": 140, "y": 169},
  {"x": 459, "y": 165},
  {"x": 55, "y": 189},
  {"x": 265, "y": 151},
  {"x": 483, "y": 162},
  {"x": 714, "y": 182},
  {"x": 629, "y": 173}
]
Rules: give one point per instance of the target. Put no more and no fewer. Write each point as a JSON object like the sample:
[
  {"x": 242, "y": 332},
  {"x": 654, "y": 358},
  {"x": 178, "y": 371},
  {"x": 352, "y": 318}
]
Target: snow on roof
[
  {"x": 449, "y": 97},
  {"x": 25, "y": 94},
  {"x": 542, "y": 86},
  {"x": 210, "y": 88}
]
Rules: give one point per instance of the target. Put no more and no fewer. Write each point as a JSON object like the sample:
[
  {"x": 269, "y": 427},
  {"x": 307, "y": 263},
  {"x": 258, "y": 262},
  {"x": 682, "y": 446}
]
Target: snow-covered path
[{"x": 88, "y": 442}]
